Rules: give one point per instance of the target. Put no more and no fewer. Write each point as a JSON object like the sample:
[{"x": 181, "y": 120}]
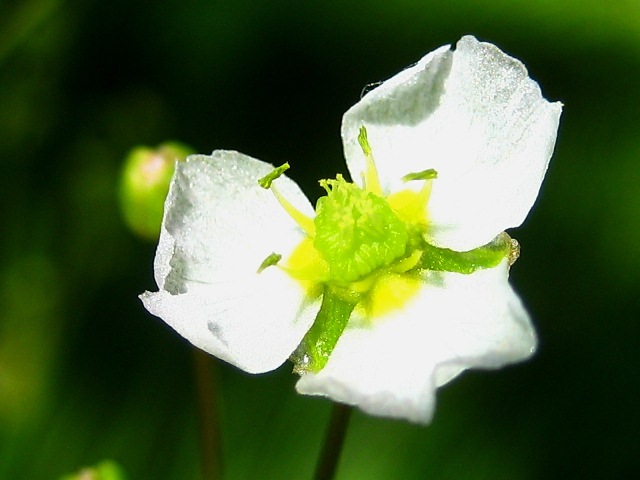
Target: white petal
[
  {"x": 393, "y": 367},
  {"x": 219, "y": 226},
  {"x": 473, "y": 115}
]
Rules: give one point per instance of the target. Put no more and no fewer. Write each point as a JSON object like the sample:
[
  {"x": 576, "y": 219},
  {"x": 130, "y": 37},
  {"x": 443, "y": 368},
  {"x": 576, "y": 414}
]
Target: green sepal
[
  {"x": 446, "y": 260},
  {"x": 265, "y": 182},
  {"x": 322, "y": 337}
]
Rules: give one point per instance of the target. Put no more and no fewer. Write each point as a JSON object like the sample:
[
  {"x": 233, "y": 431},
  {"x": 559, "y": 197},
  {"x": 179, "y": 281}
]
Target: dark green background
[{"x": 87, "y": 374}]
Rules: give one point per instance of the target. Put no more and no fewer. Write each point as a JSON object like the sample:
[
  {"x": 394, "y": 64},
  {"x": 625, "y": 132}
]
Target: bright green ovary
[{"x": 357, "y": 232}]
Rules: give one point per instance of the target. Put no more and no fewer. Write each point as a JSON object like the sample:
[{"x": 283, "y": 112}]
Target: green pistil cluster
[{"x": 357, "y": 232}]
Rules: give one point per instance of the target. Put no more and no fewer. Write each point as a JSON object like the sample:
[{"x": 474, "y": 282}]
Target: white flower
[{"x": 471, "y": 116}]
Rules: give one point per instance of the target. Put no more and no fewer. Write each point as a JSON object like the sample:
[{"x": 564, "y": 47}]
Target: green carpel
[{"x": 356, "y": 231}]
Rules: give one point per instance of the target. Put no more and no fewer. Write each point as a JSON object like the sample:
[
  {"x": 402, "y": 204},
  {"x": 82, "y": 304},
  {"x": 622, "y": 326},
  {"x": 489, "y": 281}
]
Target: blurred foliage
[{"x": 87, "y": 374}]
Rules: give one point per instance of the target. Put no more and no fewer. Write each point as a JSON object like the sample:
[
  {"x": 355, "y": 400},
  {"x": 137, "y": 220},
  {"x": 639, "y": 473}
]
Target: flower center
[
  {"x": 366, "y": 253},
  {"x": 362, "y": 252},
  {"x": 357, "y": 232}
]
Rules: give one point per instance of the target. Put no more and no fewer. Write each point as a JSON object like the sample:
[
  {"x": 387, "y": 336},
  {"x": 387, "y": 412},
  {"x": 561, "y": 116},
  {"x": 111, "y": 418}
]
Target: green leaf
[{"x": 446, "y": 260}]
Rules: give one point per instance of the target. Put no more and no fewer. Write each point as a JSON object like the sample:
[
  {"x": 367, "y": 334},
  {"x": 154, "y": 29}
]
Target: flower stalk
[
  {"x": 206, "y": 376},
  {"x": 333, "y": 442}
]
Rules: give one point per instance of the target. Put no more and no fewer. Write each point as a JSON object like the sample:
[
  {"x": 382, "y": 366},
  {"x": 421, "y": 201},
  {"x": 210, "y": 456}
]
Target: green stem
[
  {"x": 210, "y": 438},
  {"x": 333, "y": 442},
  {"x": 329, "y": 324}
]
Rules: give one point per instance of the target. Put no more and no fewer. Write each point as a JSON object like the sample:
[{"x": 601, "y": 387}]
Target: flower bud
[
  {"x": 144, "y": 184},
  {"x": 106, "y": 470}
]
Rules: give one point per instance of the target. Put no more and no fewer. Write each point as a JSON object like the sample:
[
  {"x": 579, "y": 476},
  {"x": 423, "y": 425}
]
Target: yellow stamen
[
  {"x": 300, "y": 218},
  {"x": 370, "y": 175}
]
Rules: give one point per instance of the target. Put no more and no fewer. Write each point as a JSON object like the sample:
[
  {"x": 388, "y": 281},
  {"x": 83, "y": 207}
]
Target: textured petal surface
[
  {"x": 393, "y": 366},
  {"x": 219, "y": 226},
  {"x": 475, "y": 116}
]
